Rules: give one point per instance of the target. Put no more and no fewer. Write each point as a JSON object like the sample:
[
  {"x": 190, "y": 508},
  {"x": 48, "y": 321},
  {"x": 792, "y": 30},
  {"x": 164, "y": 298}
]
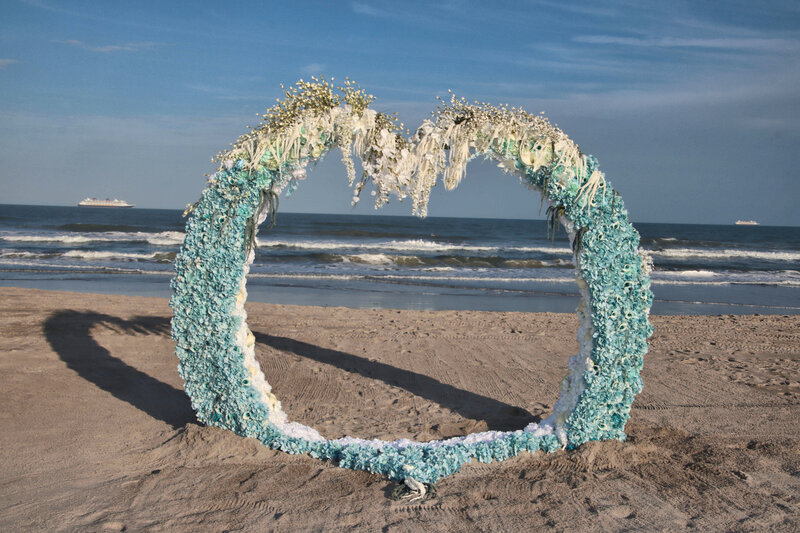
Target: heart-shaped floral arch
[{"x": 216, "y": 348}]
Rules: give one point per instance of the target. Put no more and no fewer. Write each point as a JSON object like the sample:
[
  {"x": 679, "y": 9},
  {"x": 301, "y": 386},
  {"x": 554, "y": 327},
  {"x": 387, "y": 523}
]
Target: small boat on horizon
[
  {"x": 94, "y": 202},
  {"x": 746, "y": 223}
]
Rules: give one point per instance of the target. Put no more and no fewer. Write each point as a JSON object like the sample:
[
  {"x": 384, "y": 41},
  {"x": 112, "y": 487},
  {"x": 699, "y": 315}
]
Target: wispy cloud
[
  {"x": 557, "y": 58},
  {"x": 6, "y": 62},
  {"x": 108, "y": 48},
  {"x": 715, "y": 93},
  {"x": 313, "y": 69},
  {"x": 764, "y": 44},
  {"x": 42, "y": 5},
  {"x": 569, "y": 7},
  {"x": 224, "y": 93},
  {"x": 367, "y": 9}
]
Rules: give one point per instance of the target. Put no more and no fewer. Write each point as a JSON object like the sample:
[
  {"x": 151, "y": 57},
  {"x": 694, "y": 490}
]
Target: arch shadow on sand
[
  {"x": 69, "y": 333},
  {"x": 498, "y": 415}
]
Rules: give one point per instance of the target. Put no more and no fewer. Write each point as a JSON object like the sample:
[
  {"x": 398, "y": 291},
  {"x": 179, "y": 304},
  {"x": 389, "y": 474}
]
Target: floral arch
[{"x": 216, "y": 348}]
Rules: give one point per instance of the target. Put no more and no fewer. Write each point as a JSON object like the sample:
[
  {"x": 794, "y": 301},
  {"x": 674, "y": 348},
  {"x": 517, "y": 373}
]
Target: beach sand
[{"x": 97, "y": 434}]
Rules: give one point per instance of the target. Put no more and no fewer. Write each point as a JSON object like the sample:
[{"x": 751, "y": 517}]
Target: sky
[{"x": 692, "y": 108}]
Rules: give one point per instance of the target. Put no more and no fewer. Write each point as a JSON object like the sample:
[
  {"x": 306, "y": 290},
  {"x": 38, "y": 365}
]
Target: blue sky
[{"x": 692, "y": 108}]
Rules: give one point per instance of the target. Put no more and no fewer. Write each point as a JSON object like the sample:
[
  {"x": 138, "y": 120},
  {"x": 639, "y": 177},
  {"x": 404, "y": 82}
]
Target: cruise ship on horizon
[
  {"x": 94, "y": 202},
  {"x": 746, "y": 223}
]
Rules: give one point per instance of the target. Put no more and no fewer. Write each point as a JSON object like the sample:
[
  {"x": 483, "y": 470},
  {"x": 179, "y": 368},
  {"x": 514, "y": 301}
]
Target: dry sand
[{"x": 97, "y": 434}]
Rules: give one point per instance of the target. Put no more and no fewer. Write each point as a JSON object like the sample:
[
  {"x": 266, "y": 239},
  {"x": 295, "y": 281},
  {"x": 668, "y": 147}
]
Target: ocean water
[{"x": 401, "y": 262}]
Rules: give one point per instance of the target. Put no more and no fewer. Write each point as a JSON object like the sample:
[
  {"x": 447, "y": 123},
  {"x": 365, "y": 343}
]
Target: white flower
[
  {"x": 366, "y": 122},
  {"x": 533, "y": 157},
  {"x": 386, "y": 143},
  {"x": 425, "y": 129}
]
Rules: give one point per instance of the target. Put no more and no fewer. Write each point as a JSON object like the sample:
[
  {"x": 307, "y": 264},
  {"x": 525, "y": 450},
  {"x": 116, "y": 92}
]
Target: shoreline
[
  {"x": 92, "y": 398},
  {"x": 369, "y": 297}
]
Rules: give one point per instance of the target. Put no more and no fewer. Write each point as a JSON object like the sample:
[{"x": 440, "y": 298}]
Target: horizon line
[{"x": 377, "y": 213}]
